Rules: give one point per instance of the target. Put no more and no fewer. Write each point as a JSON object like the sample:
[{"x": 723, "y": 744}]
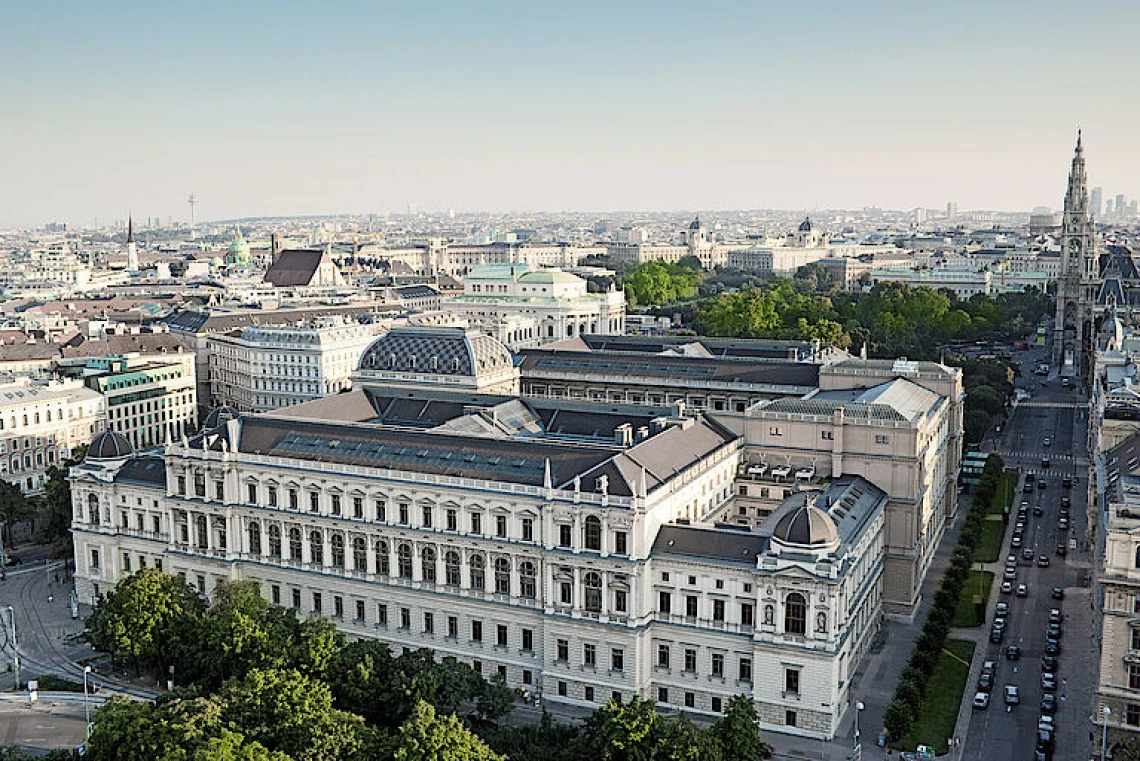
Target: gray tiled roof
[
  {"x": 897, "y": 400},
  {"x": 436, "y": 351}
]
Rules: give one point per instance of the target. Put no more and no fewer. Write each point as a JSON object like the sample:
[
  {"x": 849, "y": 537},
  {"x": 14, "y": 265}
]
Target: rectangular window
[
  {"x": 690, "y": 659},
  {"x": 792, "y": 681},
  {"x": 382, "y": 614},
  {"x": 620, "y": 603},
  {"x": 1136, "y": 639},
  {"x": 718, "y": 610},
  {"x": 272, "y": 494},
  {"x": 827, "y": 435},
  {"x": 589, "y": 656},
  {"x": 747, "y": 614},
  {"x": 617, "y": 659},
  {"x": 718, "y": 665},
  {"x": 716, "y": 705},
  {"x": 790, "y": 718},
  {"x": 564, "y": 536},
  {"x": 403, "y": 510},
  {"x": 528, "y": 639},
  {"x": 453, "y": 627},
  {"x": 476, "y": 523},
  {"x": 690, "y": 700},
  {"x": 275, "y": 594},
  {"x": 360, "y": 610},
  {"x": 381, "y": 507},
  {"x": 1132, "y": 715},
  {"x": 429, "y": 623},
  {"x": 527, "y": 676},
  {"x": 745, "y": 672},
  {"x": 1134, "y": 677},
  {"x": 426, "y": 517},
  {"x": 126, "y": 562},
  {"x": 501, "y": 636},
  {"x": 691, "y": 606},
  {"x": 477, "y": 666},
  {"x": 528, "y": 529},
  {"x": 182, "y": 486},
  {"x": 296, "y": 599},
  {"x": 566, "y": 593},
  {"x": 252, "y": 493},
  {"x": 292, "y": 499},
  {"x": 357, "y": 507},
  {"x": 662, "y": 694},
  {"x": 881, "y": 439},
  {"x": 775, "y": 431},
  {"x": 405, "y": 618},
  {"x": 94, "y": 558},
  {"x": 477, "y": 631},
  {"x": 589, "y": 694},
  {"x": 662, "y": 656},
  {"x": 664, "y": 602},
  {"x": 314, "y": 501},
  {"x": 620, "y": 539},
  {"x": 452, "y": 520},
  {"x": 562, "y": 648},
  {"x": 316, "y": 602},
  {"x": 220, "y": 490},
  {"x": 562, "y": 689},
  {"x": 501, "y": 526}
]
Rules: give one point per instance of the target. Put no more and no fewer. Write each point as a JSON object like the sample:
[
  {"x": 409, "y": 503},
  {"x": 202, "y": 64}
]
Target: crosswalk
[
  {"x": 1035, "y": 455},
  {"x": 1054, "y": 405}
]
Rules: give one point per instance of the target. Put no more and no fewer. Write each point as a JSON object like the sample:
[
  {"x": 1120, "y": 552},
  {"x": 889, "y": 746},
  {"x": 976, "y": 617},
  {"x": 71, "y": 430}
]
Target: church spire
[{"x": 130, "y": 229}]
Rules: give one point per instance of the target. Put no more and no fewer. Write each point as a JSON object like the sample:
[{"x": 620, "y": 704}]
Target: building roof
[
  {"x": 419, "y": 291},
  {"x": 109, "y": 445},
  {"x": 193, "y": 321},
  {"x": 145, "y": 469},
  {"x": 142, "y": 343},
  {"x": 728, "y": 545},
  {"x": 806, "y": 526},
  {"x": 547, "y": 363},
  {"x": 897, "y": 400},
  {"x": 293, "y": 268},
  {"x": 219, "y": 415},
  {"x": 426, "y": 350},
  {"x": 721, "y": 348}
]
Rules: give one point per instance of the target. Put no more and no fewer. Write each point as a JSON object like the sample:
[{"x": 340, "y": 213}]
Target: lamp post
[
  {"x": 15, "y": 646},
  {"x": 858, "y": 707},
  {"x": 1104, "y": 734},
  {"x": 86, "y": 704}
]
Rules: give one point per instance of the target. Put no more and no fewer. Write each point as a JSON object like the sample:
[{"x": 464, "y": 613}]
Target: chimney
[
  {"x": 642, "y": 433},
  {"x": 623, "y": 435}
]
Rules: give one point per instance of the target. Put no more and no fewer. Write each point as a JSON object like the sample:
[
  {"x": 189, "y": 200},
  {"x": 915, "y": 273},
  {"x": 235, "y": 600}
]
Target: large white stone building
[
  {"x": 538, "y": 539},
  {"x": 150, "y": 399},
  {"x": 41, "y": 424},
  {"x": 521, "y": 306},
  {"x": 260, "y": 368}
]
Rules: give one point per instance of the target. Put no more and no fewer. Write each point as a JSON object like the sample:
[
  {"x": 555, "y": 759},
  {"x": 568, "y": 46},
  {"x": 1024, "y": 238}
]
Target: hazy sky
[{"x": 268, "y": 108}]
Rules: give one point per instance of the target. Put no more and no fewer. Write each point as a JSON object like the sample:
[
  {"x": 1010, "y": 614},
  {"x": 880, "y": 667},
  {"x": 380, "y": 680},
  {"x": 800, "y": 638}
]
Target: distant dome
[
  {"x": 219, "y": 415},
  {"x": 239, "y": 251},
  {"x": 216, "y": 261},
  {"x": 436, "y": 351},
  {"x": 805, "y": 226},
  {"x": 695, "y": 224},
  {"x": 109, "y": 445},
  {"x": 806, "y": 526}
]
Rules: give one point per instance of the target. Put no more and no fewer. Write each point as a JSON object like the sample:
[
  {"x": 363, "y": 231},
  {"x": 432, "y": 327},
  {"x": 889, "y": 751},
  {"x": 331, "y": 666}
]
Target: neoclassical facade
[{"x": 549, "y": 544}]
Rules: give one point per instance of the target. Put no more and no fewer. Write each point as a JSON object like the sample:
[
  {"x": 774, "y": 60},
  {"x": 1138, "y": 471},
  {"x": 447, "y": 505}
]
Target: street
[{"x": 1051, "y": 425}]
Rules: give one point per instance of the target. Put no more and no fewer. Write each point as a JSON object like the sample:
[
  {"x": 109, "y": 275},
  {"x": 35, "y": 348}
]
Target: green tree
[
  {"x": 625, "y": 731},
  {"x": 496, "y": 699},
  {"x": 14, "y": 507},
  {"x": 739, "y": 731},
  {"x": 898, "y": 719},
  {"x": 428, "y": 736},
  {"x": 141, "y": 615}
]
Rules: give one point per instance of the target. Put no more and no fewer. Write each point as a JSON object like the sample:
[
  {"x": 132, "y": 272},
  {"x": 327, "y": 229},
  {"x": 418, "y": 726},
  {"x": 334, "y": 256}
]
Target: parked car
[
  {"x": 1048, "y": 703},
  {"x": 1052, "y": 647},
  {"x": 1066, "y": 502},
  {"x": 1042, "y": 561},
  {"x": 1062, "y": 549},
  {"x": 1038, "y": 510},
  {"x": 1027, "y": 488},
  {"x": 1022, "y": 590},
  {"x": 1043, "y": 484},
  {"x": 999, "y": 623},
  {"x": 1010, "y": 574},
  {"x": 1044, "y": 742},
  {"x": 997, "y": 635},
  {"x": 1049, "y": 681},
  {"x": 985, "y": 682},
  {"x": 1046, "y": 441},
  {"x": 1058, "y": 593},
  {"x": 1063, "y": 524},
  {"x": 1006, "y": 587},
  {"x": 1001, "y": 609},
  {"x": 1027, "y": 554},
  {"x": 1054, "y": 631},
  {"x": 1067, "y": 482},
  {"x": 1012, "y": 697},
  {"x": 981, "y": 700},
  {"x": 1055, "y": 616},
  {"x": 1016, "y": 541}
]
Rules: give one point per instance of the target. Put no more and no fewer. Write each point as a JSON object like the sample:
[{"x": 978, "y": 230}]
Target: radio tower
[{"x": 193, "y": 201}]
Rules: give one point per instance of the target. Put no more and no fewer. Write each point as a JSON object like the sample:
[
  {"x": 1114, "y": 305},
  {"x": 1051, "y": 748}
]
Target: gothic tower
[
  {"x": 132, "y": 250},
  {"x": 1080, "y": 272}
]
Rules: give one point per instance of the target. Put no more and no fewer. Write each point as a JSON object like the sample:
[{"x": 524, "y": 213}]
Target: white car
[{"x": 982, "y": 700}]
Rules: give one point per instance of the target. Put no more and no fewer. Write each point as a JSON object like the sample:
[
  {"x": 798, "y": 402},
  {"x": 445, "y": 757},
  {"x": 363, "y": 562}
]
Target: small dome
[
  {"x": 219, "y": 415},
  {"x": 806, "y": 526},
  {"x": 805, "y": 226},
  {"x": 109, "y": 445},
  {"x": 695, "y": 224}
]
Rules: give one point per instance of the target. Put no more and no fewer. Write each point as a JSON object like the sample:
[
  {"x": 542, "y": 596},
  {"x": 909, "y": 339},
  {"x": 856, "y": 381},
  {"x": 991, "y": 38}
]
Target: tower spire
[{"x": 130, "y": 229}]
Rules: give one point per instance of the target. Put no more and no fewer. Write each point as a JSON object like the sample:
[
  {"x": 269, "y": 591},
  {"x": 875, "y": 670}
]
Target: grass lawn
[
  {"x": 939, "y": 710},
  {"x": 993, "y": 534},
  {"x": 1006, "y": 491},
  {"x": 965, "y": 615}
]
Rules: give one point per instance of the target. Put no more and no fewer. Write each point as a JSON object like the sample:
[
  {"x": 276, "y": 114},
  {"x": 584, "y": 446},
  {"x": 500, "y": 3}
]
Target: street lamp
[
  {"x": 15, "y": 646},
  {"x": 1104, "y": 735},
  {"x": 86, "y": 704},
  {"x": 858, "y": 707}
]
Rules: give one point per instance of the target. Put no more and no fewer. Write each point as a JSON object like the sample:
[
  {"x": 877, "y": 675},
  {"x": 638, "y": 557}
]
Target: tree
[
  {"x": 625, "y": 731},
  {"x": 739, "y": 731},
  {"x": 428, "y": 736},
  {"x": 54, "y": 507},
  {"x": 898, "y": 719},
  {"x": 141, "y": 616},
  {"x": 13, "y": 508},
  {"x": 496, "y": 699}
]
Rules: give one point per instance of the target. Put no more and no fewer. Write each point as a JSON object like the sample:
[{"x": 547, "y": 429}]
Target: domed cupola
[
  {"x": 218, "y": 416},
  {"x": 109, "y": 445},
  {"x": 806, "y": 528}
]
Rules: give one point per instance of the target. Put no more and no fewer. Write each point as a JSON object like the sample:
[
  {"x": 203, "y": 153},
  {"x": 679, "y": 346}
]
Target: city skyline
[{"x": 339, "y": 108}]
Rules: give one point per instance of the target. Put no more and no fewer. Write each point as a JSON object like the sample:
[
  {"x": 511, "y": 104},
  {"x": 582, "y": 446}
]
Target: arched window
[
  {"x": 795, "y": 614},
  {"x": 383, "y": 566},
  {"x": 203, "y": 531},
  {"x": 404, "y": 560},
  {"x": 451, "y": 568},
  {"x": 478, "y": 567},
  {"x": 294, "y": 543},
  {"x": 336, "y": 543},
  {"x": 359, "y": 554},
  {"x": 316, "y": 547},
  {"x": 93, "y": 510},
  {"x": 593, "y": 584},
  {"x": 254, "y": 538},
  {"x": 527, "y": 580},
  {"x": 593, "y": 533},
  {"x": 275, "y": 541},
  {"x": 427, "y": 564},
  {"x": 502, "y": 576}
]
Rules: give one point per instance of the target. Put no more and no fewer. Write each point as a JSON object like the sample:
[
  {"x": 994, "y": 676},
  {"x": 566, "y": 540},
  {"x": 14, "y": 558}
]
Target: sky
[{"x": 288, "y": 108}]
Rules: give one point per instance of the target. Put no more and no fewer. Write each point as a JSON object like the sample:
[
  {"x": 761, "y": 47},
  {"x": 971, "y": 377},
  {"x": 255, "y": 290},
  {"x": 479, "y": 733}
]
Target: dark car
[
  {"x": 1044, "y": 741},
  {"x": 985, "y": 682},
  {"x": 1052, "y": 647},
  {"x": 1013, "y": 653},
  {"x": 997, "y": 635},
  {"x": 1066, "y": 502},
  {"x": 1062, "y": 550},
  {"x": 1054, "y": 632},
  {"x": 1028, "y": 488},
  {"x": 1043, "y": 561},
  {"x": 1048, "y": 703},
  {"x": 1043, "y": 484},
  {"x": 1049, "y": 664},
  {"x": 1058, "y": 593},
  {"x": 10, "y": 560},
  {"x": 1038, "y": 510},
  {"x": 1063, "y": 524},
  {"x": 1067, "y": 482}
]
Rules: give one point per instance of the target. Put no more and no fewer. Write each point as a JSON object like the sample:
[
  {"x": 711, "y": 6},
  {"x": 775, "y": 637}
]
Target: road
[{"x": 1052, "y": 424}]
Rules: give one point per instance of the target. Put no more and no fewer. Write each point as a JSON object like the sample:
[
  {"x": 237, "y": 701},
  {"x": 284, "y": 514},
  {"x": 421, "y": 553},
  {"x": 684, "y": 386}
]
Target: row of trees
[
  {"x": 915, "y": 677},
  {"x": 989, "y": 385},
  {"x": 258, "y": 683},
  {"x": 890, "y": 320}
]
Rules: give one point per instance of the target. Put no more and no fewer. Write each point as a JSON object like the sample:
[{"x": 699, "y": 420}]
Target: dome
[
  {"x": 805, "y": 226},
  {"x": 695, "y": 224},
  {"x": 219, "y": 415},
  {"x": 109, "y": 445},
  {"x": 239, "y": 244},
  {"x": 806, "y": 526},
  {"x": 436, "y": 351}
]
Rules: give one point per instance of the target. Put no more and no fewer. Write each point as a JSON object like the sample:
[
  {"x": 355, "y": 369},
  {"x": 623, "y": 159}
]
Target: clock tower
[{"x": 1079, "y": 280}]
